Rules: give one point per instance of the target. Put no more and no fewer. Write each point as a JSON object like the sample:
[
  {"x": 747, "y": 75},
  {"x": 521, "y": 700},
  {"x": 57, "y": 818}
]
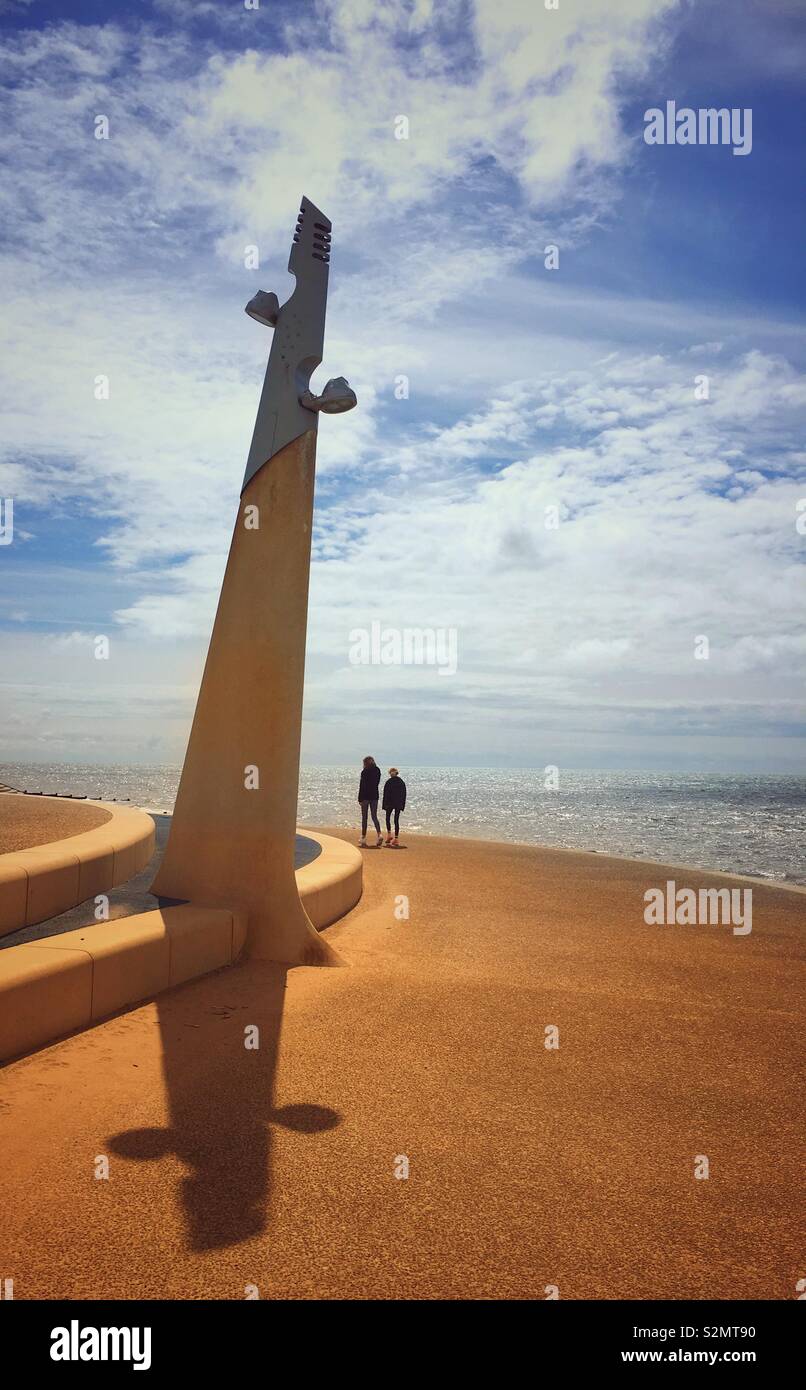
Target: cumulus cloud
[{"x": 576, "y": 576}]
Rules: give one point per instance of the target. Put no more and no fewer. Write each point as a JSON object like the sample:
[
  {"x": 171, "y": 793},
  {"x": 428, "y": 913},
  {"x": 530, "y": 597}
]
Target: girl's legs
[
  {"x": 364, "y": 810},
  {"x": 373, "y": 806},
  {"x": 397, "y": 822},
  {"x": 388, "y": 827}
]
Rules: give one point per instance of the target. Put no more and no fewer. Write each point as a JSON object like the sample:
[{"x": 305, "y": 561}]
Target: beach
[
  {"x": 534, "y": 1171},
  {"x": 735, "y": 823}
]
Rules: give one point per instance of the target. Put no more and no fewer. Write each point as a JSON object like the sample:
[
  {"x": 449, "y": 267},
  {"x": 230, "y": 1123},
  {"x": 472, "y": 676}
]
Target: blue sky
[{"x": 529, "y": 388}]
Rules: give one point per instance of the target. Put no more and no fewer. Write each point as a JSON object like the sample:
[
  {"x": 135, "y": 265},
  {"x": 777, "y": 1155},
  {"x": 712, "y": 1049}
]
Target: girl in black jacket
[
  {"x": 394, "y": 800},
  {"x": 368, "y": 797}
]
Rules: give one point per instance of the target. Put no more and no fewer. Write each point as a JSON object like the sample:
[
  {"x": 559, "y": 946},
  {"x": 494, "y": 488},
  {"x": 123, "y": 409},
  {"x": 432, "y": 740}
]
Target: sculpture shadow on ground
[{"x": 220, "y": 1062}]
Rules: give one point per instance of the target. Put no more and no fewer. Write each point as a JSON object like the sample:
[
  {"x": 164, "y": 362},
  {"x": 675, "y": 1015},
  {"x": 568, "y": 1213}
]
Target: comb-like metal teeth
[{"x": 317, "y": 237}]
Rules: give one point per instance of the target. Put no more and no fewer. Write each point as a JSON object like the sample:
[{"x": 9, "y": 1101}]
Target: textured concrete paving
[
  {"x": 528, "y": 1167},
  {"x": 26, "y": 821}
]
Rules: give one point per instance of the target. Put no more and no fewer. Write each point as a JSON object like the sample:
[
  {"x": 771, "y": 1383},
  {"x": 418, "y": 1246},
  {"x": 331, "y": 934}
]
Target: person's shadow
[{"x": 219, "y": 1061}]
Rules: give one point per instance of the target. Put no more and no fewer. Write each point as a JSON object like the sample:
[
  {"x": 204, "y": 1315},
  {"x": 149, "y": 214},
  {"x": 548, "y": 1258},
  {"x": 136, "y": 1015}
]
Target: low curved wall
[
  {"x": 331, "y": 884},
  {"x": 62, "y": 983},
  {"x": 41, "y": 882},
  {"x": 66, "y": 982}
]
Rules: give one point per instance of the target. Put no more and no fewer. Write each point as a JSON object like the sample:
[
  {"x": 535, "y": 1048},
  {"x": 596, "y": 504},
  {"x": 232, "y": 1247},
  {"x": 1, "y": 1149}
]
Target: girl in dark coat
[
  {"x": 394, "y": 801},
  {"x": 368, "y": 797}
]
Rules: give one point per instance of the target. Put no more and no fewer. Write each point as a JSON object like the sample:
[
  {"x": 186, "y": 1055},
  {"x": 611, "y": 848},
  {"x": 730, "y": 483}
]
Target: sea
[{"x": 737, "y": 823}]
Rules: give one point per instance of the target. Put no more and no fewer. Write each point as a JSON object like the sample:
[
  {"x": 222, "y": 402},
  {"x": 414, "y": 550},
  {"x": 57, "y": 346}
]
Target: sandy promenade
[
  {"x": 528, "y": 1167},
  {"x": 26, "y": 821}
]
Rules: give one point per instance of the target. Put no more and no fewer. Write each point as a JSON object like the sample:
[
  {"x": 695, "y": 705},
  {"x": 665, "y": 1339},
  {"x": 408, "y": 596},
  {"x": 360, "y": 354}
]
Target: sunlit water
[{"x": 738, "y": 823}]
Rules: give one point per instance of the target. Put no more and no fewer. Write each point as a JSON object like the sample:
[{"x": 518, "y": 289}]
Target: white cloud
[
  {"x": 600, "y": 613},
  {"x": 64, "y": 640}
]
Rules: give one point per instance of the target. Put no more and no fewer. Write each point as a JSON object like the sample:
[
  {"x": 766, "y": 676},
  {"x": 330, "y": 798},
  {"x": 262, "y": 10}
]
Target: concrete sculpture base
[
  {"x": 48, "y": 878},
  {"x": 232, "y": 837}
]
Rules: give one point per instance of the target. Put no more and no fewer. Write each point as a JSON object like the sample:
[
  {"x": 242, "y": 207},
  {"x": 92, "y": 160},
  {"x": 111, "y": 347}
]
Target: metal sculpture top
[{"x": 287, "y": 407}]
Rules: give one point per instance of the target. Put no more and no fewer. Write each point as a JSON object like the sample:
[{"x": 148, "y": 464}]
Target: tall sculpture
[{"x": 234, "y": 824}]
